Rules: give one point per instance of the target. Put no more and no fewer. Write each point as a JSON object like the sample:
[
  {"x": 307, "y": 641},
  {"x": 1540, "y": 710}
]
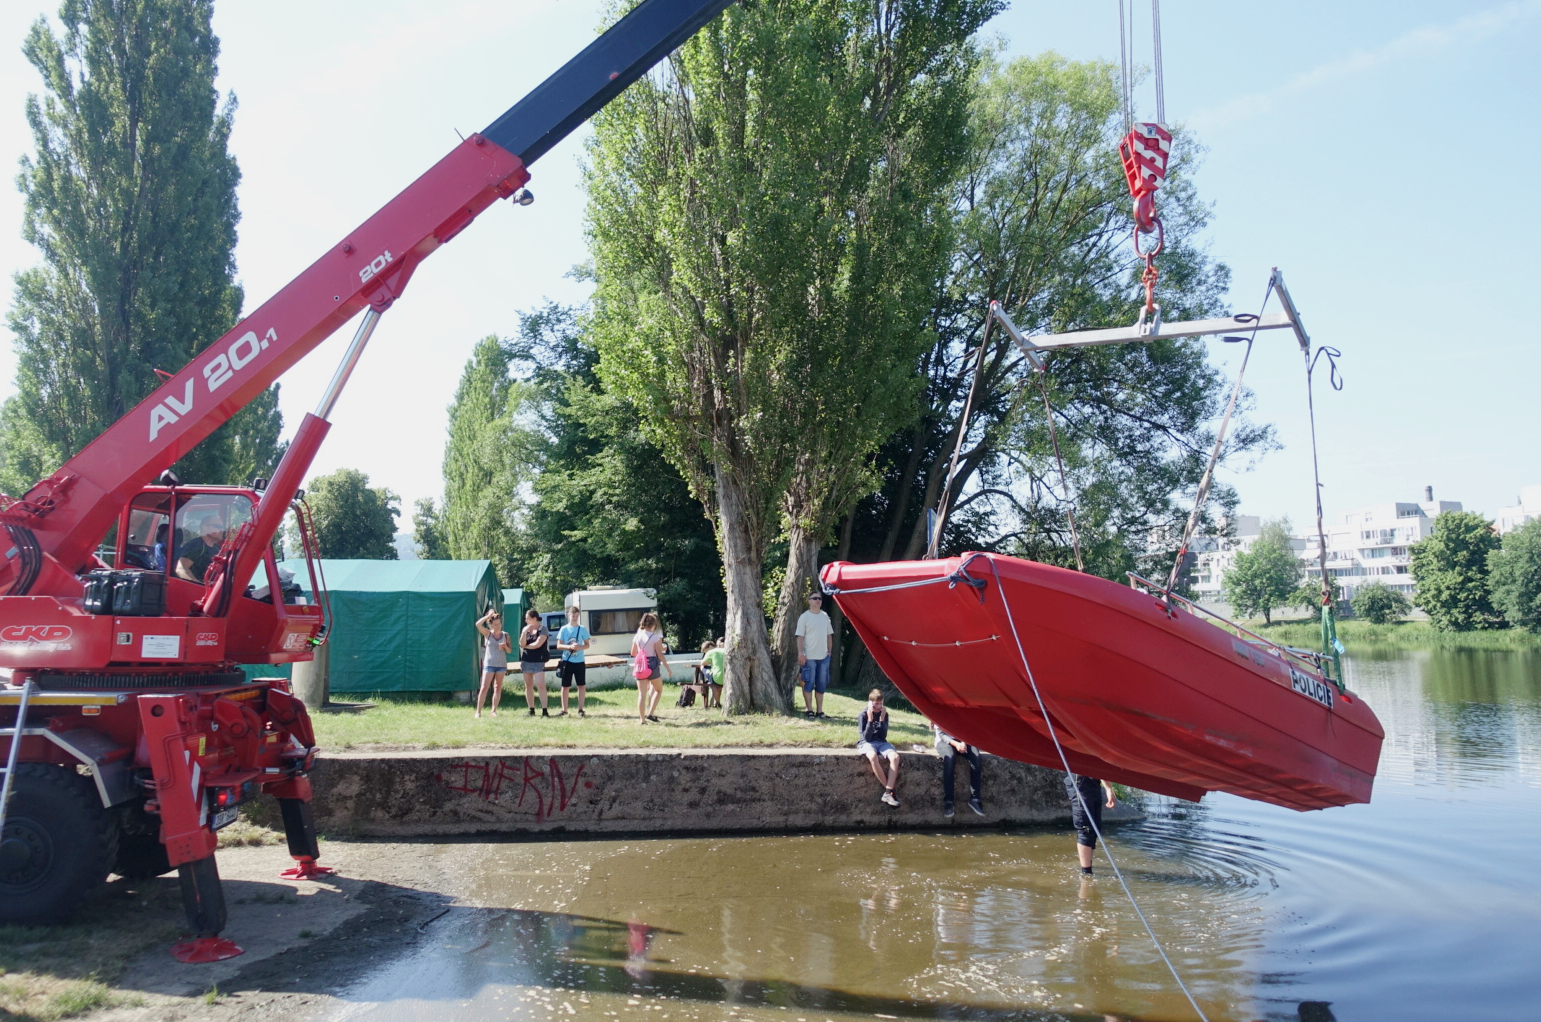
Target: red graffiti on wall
[{"x": 548, "y": 788}]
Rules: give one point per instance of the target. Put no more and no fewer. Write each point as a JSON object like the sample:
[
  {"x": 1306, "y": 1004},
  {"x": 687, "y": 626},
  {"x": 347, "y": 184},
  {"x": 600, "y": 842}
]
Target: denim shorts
[
  {"x": 877, "y": 748},
  {"x": 495, "y": 669},
  {"x": 815, "y": 674}
]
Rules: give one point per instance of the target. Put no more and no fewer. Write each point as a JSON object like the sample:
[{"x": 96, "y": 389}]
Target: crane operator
[{"x": 194, "y": 557}]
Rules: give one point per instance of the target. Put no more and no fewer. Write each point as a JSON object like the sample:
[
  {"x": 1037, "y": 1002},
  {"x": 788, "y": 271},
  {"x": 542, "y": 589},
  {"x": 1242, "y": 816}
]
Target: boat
[{"x": 1139, "y": 686}]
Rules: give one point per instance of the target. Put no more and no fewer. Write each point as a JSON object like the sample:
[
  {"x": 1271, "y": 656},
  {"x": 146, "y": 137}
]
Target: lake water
[{"x": 1421, "y": 905}]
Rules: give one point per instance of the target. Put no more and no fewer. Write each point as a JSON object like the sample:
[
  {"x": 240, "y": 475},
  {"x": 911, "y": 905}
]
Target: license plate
[{"x": 225, "y": 817}]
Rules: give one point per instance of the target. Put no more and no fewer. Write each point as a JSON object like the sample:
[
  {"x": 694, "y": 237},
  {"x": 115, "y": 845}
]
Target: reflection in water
[{"x": 1419, "y": 906}]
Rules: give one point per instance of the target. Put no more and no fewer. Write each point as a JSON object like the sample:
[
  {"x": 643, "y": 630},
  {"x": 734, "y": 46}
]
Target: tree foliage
[
  {"x": 489, "y": 459},
  {"x": 1450, "y": 572},
  {"x": 609, "y": 509},
  {"x": 1379, "y": 604},
  {"x": 428, "y": 531},
  {"x": 352, "y": 518},
  {"x": 1308, "y": 596},
  {"x": 1514, "y": 576},
  {"x": 130, "y": 197},
  {"x": 765, "y": 236},
  {"x": 1263, "y": 577}
]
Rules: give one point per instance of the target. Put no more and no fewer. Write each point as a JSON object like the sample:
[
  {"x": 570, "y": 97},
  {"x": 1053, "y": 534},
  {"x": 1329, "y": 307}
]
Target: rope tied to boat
[{"x": 953, "y": 580}]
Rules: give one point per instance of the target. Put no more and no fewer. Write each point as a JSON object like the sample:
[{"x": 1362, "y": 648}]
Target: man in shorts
[
  {"x": 572, "y": 640},
  {"x": 814, "y": 630},
  {"x": 1088, "y": 796}
]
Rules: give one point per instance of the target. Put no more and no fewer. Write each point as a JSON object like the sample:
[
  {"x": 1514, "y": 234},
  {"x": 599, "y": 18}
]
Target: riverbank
[
  {"x": 396, "y": 725},
  {"x": 1362, "y": 636}
]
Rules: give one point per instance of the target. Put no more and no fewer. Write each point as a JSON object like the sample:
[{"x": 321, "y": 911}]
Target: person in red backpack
[{"x": 647, "y": 653}]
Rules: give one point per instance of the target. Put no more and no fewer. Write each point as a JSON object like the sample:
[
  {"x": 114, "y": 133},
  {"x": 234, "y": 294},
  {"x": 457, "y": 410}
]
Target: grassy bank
[
  {"x": 611, "y": 723},
  {"x": 1403, "y": 635}
]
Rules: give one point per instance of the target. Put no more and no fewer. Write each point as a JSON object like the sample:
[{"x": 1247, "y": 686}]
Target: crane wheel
[{"x": 57, "y": 845}]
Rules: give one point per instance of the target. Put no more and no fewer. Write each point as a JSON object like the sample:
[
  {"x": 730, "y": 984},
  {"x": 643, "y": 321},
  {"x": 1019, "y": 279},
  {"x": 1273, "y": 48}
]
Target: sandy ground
[{"x": 304, "y": 941}]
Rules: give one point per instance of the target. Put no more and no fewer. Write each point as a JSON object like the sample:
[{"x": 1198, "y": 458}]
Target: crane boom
[{"x": 69, "y": 511}]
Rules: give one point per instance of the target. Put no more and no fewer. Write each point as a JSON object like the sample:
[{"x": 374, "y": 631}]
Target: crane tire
[{"x": 57, "y": 845}]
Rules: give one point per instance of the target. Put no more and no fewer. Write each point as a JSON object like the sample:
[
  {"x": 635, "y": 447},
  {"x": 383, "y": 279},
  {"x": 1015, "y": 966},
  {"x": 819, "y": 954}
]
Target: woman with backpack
[{"x": 647, "y": 655}]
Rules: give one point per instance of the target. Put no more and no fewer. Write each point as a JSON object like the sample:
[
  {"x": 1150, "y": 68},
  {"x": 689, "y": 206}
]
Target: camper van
[{"x": 610, "y": 613}]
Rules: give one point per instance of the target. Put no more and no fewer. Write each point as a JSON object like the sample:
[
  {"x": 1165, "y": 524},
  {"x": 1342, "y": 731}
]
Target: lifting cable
[
  {"x": 1207, "y": 479},
  {"x": 1145, "y": 151},
  {"x": 962, "y": 577},
  {"x": 1064, "y": 482}
]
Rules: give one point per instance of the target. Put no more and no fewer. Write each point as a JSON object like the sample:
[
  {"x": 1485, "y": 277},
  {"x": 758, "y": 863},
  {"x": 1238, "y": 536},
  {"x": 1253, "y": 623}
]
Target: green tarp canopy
[{"x": 405, "y": 626}]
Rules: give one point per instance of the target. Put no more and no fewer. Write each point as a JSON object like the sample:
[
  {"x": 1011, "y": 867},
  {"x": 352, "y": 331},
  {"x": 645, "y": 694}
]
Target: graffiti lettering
[{"x": 543, "y": 784}]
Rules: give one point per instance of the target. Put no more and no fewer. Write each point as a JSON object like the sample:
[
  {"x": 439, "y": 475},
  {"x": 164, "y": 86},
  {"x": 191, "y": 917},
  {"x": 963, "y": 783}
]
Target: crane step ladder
[{"x": 14, "y": 733}]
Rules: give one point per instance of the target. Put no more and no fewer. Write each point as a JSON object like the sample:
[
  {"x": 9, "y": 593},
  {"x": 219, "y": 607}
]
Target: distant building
[
  {"x": 1370, "y": 544},
  {"x": 1527, "y": 510}
]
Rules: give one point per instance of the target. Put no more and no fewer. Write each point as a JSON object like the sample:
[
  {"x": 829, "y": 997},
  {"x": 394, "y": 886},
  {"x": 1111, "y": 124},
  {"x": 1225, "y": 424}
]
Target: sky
[{"x": 1377, "y": 153}]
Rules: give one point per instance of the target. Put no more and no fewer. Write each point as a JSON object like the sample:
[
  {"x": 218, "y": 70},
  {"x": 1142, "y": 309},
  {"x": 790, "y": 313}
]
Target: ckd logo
[
  {"x": 218, "y": 371},
  {"x": 35, "y": 633}
]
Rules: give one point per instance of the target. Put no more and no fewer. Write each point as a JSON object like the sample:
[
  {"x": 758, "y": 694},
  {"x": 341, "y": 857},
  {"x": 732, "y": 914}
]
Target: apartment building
[{"x": 1526, "y": 509}]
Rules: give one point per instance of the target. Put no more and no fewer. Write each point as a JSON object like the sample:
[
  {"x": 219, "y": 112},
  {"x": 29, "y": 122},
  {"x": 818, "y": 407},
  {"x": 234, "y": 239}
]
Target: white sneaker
[{"x": 888, "y": 797}]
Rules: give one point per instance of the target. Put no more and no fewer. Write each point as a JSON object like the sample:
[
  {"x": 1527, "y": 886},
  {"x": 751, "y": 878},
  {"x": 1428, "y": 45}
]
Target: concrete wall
[{"x": 659, "y": 791}]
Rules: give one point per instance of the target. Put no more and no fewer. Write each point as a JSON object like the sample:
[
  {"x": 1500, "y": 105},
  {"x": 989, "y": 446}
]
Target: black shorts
[
  {"x": 1090, "y": 789},
  {"x": 572, "y": 672}
]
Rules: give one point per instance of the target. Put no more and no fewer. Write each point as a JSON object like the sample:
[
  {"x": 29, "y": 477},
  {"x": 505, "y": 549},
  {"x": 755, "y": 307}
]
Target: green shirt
[{"x": 717, "y": 660}]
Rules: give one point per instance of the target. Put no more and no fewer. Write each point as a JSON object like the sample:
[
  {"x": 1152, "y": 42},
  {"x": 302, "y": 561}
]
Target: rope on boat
[{"x": 962, "y": 576}]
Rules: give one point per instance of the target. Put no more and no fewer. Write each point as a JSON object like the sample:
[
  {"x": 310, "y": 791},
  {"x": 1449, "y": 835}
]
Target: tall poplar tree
[
  {"x": 766, "y": 231},
  {"x": 131, "y": 200},
  {"x": 488, "y": 459}
]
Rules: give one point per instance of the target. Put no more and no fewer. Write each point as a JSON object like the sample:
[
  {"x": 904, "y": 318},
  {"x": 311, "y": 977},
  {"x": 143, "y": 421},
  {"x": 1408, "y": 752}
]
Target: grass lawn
[
  {"x": 396, "y": 724},
  {"x": 1403, "y": 635}
]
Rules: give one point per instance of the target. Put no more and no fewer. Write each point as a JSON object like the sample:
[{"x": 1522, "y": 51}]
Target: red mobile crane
[{"x": 130, "y": 731}]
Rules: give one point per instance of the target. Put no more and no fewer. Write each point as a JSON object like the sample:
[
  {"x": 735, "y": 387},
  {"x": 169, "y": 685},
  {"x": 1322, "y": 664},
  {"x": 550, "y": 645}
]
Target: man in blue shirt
[{"x": 572, "y": 640}]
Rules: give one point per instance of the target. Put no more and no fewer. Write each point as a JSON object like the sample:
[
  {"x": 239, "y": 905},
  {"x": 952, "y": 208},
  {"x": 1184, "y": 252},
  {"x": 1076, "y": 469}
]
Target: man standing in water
[
  {"x": 813, "y": 633},
  {"x": 1088, "y": 797}
]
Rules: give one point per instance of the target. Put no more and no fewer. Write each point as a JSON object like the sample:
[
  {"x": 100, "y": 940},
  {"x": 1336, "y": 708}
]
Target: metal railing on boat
[{"x": 1307, "y": 657}]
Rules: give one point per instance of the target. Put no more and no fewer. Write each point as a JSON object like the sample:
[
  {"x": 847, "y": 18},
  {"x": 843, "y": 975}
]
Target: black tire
[
  {"x": 140, "y": 852},
  {"x": 57, "y": 845}
]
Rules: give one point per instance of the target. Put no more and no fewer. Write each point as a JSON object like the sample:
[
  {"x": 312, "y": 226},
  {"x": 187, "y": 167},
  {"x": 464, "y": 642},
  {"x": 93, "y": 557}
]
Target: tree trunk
[
  {"x": 751, "y": 683},
  {"x": 802, "y": 563},
  {"x": 837, "y": 640}
]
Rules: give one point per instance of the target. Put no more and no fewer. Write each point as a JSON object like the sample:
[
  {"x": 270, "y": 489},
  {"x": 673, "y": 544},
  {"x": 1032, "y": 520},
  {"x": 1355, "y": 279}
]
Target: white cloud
[{"x": 1416, "y": 43}]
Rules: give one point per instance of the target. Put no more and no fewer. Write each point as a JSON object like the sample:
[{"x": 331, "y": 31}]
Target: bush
[
  {"x": 1379, "y": 604},
  {"x": 1451, "y": 572}
]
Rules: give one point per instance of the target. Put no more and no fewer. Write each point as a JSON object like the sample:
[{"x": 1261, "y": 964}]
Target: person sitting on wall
[
  {"x": 872, "y": 742},
  {"x": 949, "y": 748},
  {"x": 194, "y": 557}
]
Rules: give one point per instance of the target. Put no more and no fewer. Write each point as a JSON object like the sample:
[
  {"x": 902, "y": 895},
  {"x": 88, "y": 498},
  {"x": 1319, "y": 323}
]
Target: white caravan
[{"x": 611, "y": 615}]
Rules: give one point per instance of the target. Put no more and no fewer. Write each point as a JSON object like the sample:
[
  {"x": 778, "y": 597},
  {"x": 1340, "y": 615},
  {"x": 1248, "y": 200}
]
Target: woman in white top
[{"x": 649, "y": 642}]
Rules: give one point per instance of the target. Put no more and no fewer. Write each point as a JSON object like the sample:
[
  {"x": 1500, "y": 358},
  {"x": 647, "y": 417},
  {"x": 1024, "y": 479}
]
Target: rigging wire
[
  {"x": 1064, "y": 483},
  {"x": 1125, "y": 44},
  {"x": 1214, "y": 455},
  {"x": 934, "y": 541},
  {"x": 1155, "y": 32}
]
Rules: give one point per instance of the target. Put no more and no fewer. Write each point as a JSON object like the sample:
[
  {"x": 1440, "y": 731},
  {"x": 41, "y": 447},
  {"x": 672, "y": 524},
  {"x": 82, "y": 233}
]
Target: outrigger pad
[
  {"x": 306, "y": 869},
  {"x": 205, "y": 949}
]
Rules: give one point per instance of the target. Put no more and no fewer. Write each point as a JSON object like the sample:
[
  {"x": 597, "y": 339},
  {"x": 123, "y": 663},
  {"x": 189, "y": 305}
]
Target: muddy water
[{"x": 1422, "y": 905}]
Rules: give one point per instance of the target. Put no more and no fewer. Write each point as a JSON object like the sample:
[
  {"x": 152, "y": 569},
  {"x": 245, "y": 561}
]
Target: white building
[
  {"x": 1527, "y": 509},
  {"x": 1369, "y": 544}
]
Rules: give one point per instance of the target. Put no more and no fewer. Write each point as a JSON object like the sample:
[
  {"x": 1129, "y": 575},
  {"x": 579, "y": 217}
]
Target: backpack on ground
[{"x": 687, "y": 697}]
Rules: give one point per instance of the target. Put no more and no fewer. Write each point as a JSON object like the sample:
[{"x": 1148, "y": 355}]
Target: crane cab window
[
  {"x": 147, "y": 543},
  {"x": 203, "y": 522}
]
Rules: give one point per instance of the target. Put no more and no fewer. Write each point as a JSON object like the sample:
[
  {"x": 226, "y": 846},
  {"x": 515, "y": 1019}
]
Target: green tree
[
  {"x": 609, "y": 509},
  {"x": 1450, "y": 572},
  {"x": 428, "y": 531},
  {"x": 1514, "y": 577},
  {"x": 352, "y": 518},
  {"x": 1262, "y": 578},
  {"x": 1379, "y": 604},
  {"x": 765, "y": 232},
  {"x": 489, "y": 459},
  {"x": 130, "y": 197}
]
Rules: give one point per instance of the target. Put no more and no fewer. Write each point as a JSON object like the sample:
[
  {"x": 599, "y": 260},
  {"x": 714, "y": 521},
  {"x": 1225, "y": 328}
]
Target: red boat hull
[{"x": 1138, "y": 693}]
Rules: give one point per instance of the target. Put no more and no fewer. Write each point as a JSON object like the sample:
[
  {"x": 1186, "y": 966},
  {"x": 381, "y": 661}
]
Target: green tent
[
  {"x": 405, "y": 626},
  {"x": 515, "y": 603}
]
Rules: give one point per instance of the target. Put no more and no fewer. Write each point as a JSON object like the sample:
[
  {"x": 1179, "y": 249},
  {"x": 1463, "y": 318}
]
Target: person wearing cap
[{"x": 814, "y": 630}]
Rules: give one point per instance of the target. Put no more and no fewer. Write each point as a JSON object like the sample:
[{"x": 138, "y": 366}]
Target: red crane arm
[{"x": 71, "y": 509}]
